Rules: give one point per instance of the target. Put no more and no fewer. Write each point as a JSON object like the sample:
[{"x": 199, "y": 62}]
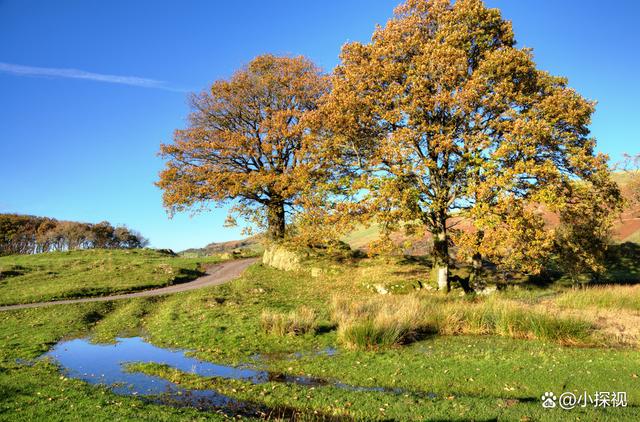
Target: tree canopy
[
  {"x": 245, "y": 143},
  {"x": 439, "y": 123},
  {"x": 441, "y": 117}
]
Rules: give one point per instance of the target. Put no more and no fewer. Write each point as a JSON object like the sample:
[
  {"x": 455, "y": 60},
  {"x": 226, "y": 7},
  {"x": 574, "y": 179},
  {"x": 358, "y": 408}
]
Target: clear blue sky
[{"x": 81, "y": 144}]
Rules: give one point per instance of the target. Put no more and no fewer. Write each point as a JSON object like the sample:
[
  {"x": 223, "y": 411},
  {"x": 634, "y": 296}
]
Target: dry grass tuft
[
  {"x": 377, "y": 323},
  {"x": 603, "y": 297},
  {"x": 388, "y": 321},
  {"x": 299, "y": 321}
]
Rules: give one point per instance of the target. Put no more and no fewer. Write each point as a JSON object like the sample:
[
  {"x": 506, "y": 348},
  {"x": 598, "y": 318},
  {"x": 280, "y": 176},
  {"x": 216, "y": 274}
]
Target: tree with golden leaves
[
  {"x": 441, "y": 118},
  {"x": 245, "y": 143}
]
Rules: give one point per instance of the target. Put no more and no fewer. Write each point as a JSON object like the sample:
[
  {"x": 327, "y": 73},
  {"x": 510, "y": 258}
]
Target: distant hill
[
  {"x": 628, "y": 228},
  {"x": 249, "y": 245}
]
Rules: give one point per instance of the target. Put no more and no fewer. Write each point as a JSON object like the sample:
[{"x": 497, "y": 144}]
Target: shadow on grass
[
  {"x": 423, "y": 333},
  {"x": 186, "y": 275},
  {"x": 251, "y": 409},
  {"x": 10, "y": 273},
  {"x": 324, "y": 328},
  {"x": 13, "y": 271},
  {"x": 92, "y": 317},
  {"x": 622, "y": 267},
  {"x": 424, "y": 260}
]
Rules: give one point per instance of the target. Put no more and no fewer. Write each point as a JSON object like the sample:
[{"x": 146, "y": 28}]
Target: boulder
[
  {"x": 167, "y": 252},
  {"x": 486, "y": 291},
  {"x": 381, "y": 289},
  {"x": 282, "y": 258}
]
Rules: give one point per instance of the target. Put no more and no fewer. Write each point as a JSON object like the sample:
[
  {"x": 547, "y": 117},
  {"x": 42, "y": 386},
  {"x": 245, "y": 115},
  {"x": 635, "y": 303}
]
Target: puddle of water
[{"x": 104, "y": 364}]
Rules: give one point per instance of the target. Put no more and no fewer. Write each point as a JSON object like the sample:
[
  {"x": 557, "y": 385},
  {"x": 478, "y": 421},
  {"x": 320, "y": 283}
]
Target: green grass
[
  {"x": 479, "y": 377},
  {"x": 377, "y": 323},
  {"x": 448, "y": 378},
  {"x": 96, "y": 272},
  {"x": 361, "y": 237}
]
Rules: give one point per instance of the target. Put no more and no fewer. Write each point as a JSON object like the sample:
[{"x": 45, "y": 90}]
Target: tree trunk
[
  {"x": 475, "y": 278},
  {"x": 275, "y": 221},
  {"x": 441, "y": 258},
  {"x": 476, "y": 270}
]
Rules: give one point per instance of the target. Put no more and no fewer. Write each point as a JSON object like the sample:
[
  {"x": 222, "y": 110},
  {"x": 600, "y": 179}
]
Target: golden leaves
[
  {"x": 446, "y": 117},
  {"x": 246, "y": 137},
  {"x": 438, "y": 118}
]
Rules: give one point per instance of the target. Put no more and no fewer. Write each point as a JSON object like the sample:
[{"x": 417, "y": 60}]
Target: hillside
[
  {"x": 95, "y": 272},
  {"x": 628, "y": 228},
  {"x": 248, "y": 246}
]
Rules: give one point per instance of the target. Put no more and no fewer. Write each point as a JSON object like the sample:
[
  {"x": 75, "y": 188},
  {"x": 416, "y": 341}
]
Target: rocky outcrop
[{"x": 282, "y": 258}]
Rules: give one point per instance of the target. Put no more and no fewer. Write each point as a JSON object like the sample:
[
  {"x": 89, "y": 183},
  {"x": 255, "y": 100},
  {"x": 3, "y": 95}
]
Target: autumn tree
[
  {"x": 126, "y": 238},
  {"x": 28, "y": 234},
  {"x": 245, "y": 142},
  {"x": 442, "y": 119}
]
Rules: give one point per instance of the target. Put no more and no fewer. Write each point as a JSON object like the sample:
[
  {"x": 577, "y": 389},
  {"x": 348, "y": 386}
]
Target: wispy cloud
[{"x": 20, "y": 70}]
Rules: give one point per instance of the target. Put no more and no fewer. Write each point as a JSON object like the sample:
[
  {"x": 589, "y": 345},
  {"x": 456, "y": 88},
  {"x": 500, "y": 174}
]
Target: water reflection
[{"x": 105, "y": 364}]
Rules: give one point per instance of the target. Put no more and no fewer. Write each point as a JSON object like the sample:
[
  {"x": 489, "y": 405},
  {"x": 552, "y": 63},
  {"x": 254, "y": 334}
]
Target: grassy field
[
  {"x": 94, "y": 272},
  {"x": 492, "y": 360}
]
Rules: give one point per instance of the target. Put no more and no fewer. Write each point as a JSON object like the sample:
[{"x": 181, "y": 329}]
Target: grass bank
[{"x": 94, "y": 272}]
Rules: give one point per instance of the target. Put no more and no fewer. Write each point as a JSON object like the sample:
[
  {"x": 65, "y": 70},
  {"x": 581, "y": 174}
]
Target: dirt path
[{"x": 216, "y": 274}]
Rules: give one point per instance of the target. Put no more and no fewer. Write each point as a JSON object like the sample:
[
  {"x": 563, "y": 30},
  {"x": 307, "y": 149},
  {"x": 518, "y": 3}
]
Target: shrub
[{"x": 299, "y": 321}]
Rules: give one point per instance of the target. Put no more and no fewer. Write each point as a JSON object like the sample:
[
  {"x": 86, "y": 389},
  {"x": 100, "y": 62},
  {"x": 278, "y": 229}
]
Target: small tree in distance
[{"x": 245, "y": 143}]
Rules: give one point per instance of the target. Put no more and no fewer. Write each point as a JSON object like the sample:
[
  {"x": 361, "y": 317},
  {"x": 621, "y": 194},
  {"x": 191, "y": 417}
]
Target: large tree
[
  {"x": 245, "y": 143},
  {"x": 441, "y": 119}
]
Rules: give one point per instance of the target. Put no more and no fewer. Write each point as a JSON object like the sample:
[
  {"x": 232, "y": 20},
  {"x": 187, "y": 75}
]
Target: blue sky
[{"x": 80, "y": 143}]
